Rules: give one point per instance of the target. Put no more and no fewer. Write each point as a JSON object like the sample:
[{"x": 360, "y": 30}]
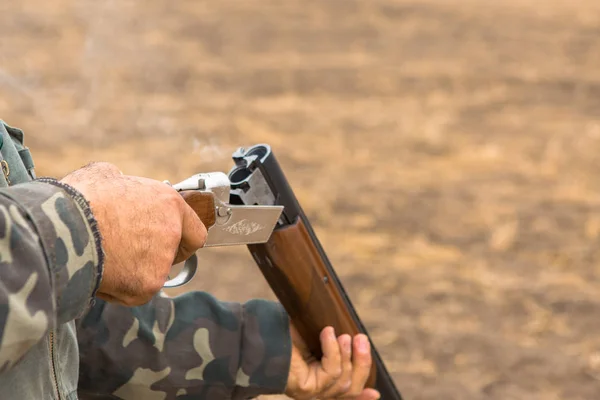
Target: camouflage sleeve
[
  {"x": 188, "y": 347},
  {"x": 50, "y": 263}
]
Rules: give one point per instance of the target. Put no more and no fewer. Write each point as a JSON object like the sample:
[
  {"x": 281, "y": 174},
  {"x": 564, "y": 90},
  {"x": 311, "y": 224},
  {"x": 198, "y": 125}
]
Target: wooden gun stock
[
  {"x": 300, "y": 280},
  {"x": 203, "y": 205}
]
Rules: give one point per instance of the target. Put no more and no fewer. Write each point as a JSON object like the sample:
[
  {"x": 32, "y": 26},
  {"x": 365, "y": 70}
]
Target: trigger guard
[{"x": 186, "y": 274}]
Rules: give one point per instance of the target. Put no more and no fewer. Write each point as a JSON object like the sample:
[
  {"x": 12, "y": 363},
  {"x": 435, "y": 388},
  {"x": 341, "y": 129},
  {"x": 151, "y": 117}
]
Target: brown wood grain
[
  {"x": 293, "y": 268},
  {"x": 203, "y": 204}
]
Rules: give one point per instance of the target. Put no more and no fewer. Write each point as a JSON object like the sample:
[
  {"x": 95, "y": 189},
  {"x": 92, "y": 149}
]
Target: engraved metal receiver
[{"x": 227, "y": 224}]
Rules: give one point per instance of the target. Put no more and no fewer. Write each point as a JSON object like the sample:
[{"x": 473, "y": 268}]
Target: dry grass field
[{"x": 446, "y": 151}]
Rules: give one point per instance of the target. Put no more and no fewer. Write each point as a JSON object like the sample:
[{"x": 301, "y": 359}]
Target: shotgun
[{"x": 255, "y": 205}]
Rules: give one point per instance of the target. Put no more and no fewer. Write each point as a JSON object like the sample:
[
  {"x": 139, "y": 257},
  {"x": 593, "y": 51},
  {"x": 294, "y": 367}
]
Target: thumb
[
  {"x": 369, "y": 394},
  {"x": 193, "y": 234}
]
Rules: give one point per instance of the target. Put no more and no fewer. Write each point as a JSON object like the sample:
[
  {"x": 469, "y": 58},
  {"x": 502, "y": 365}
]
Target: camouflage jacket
[{"x": 58, "y": 342}]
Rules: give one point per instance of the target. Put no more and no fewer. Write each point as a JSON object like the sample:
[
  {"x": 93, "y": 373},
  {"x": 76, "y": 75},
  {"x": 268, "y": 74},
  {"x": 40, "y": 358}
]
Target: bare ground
[{"x": 446, "y": 152}]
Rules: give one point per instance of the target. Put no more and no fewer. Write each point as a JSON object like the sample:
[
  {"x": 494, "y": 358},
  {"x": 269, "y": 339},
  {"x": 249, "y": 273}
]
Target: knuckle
[
  {"x": 336, "y": 372},
  {"x": 172, "y": 199},
  {"x": 203, "y": 231},
  {"x": 304, "y": 388},
  {"x": 345, "y": 385},
  {"x": 173, "y": 231},
  {"x": 104, "y": 166},
  {"x": 365, "y": 362}
]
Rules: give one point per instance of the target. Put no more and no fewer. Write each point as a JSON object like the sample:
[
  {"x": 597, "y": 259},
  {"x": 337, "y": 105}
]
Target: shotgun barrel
[{"x": 295, "y": 264}]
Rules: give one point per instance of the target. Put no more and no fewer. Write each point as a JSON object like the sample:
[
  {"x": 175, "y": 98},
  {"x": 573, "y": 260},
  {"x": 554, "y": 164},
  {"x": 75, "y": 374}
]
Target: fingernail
[
  {"x": 333, "y": 332},
  {"x": 348, "y": 346},
  {"x": 363, "y": 344}
]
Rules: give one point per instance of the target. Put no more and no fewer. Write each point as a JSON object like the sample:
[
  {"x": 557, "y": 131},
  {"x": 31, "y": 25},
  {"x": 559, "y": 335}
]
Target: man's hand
[
  {"x": 146, "y": 228},
  {"x": 341, "y": 373}
]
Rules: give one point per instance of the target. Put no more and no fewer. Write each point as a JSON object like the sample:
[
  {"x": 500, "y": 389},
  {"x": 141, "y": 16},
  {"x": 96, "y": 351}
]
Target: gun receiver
[{"x": 227, "y": 224}]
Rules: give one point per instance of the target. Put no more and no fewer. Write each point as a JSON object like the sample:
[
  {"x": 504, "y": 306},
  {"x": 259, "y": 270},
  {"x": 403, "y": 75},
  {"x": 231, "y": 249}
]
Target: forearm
[
  {"x": 49, "y": 263},
  {"x": 190, "y": 344}
]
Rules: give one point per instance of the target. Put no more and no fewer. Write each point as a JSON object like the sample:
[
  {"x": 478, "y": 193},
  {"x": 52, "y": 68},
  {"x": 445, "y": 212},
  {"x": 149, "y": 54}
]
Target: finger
[
  {"x": 330, "y": 367},
  {"x": 344, "y": 381},
  {"x": 368, "y": 394},
  {"x": 361, "y": 364},
  {"x": 193, "y": 234}
]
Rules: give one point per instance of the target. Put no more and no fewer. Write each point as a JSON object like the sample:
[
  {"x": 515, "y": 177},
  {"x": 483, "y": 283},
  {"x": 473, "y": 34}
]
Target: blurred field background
[{"x": 446, "y": 152}]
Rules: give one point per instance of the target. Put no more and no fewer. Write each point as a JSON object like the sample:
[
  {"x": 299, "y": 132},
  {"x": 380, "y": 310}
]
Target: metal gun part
[{"x": 234, "y": 224}]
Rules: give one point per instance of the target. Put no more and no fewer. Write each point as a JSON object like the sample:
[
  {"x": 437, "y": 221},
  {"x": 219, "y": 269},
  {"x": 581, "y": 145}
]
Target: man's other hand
[
  {"x": 341, "y": 374},
  {"x": 146, "y": 228}
]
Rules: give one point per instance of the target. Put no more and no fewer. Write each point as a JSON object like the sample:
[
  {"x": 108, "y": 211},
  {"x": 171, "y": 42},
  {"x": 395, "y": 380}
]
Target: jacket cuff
[
  {"x": 70, "y": 239},
  {"x": 266, "y": 326}
]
